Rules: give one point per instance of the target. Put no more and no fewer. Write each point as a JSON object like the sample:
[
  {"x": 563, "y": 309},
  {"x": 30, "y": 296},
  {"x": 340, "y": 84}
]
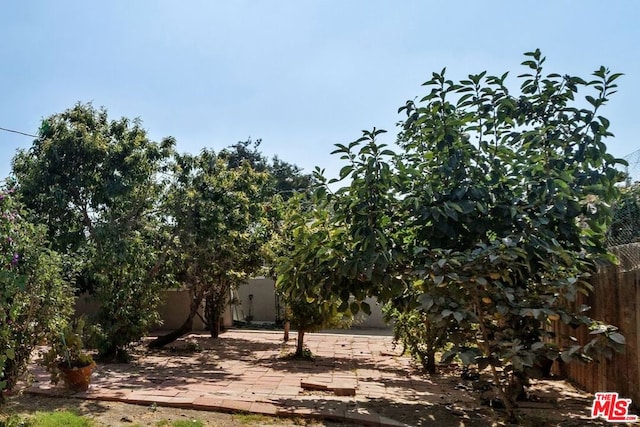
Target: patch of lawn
[
  {"x": 13, "y": 421},
  {"x": 57, "y": 419}
]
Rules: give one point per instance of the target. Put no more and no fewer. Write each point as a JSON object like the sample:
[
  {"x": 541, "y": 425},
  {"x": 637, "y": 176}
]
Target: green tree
[
  {"x": 216, "y": 214},
  {"x": 492, "y": 216},
  {"x": 307, "y": 239},
  {"x": 34, "y": 298},
  {"x": 285, "y": 178},
  {"x": 352, "y": 233},
  {"x": 95, "y": 182}
]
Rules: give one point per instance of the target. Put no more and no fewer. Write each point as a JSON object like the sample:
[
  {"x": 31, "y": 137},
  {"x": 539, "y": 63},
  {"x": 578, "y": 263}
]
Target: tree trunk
[
  {"x": 429, "y": 362},
  {"x": 486, "y": 348},
  {"x": 185, "y": 328},
  {"x": 287, "y": 326},
  {"x": 214, "y": 305},
  {"x": 516, "y": 389},
  {"x": 212, "y": 315},
  {"x": 300, "y": 345}
]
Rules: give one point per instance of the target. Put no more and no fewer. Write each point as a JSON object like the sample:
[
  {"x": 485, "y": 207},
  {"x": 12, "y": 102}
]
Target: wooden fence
[{"x": 615, "y": 300}]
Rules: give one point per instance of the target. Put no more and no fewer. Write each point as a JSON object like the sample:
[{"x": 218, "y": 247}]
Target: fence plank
[
  {"x": 615, "y": 300},
  {"x": 628, "y": 376}
]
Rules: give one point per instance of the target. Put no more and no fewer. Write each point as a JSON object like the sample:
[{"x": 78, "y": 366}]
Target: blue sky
[{"x": 301, "y": 75}]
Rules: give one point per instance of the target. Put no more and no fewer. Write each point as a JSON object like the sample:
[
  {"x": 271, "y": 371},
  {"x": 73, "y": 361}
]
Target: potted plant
[{"x": 67, "y": 359}]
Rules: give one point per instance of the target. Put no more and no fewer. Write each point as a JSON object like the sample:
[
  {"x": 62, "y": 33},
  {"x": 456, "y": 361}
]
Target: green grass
[
  {"x": 70, "y": 419},
  {"x": 12, "y": 421},
  {"x": 48, "y": 419}
]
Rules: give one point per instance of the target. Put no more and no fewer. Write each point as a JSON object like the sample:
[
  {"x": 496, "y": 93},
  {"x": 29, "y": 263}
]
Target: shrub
[{"x": 34, "y": 298}]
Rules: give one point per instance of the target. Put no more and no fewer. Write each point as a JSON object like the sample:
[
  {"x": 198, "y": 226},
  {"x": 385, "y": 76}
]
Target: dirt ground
[
  {"x": 458, "y": 402},
  {"x": 122, "y": 414}
]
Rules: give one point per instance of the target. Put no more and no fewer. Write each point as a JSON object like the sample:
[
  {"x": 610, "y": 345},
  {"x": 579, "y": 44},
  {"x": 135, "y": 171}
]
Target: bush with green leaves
[{"x": 34, "y": 298}]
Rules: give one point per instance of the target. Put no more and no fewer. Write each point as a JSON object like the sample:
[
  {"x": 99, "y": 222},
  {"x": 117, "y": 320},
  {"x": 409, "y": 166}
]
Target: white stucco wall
[
  {"x": 174, "y": 307},
  {"x": 263, "y": 306}
]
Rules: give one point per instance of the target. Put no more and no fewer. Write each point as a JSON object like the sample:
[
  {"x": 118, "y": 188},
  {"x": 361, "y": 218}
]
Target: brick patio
[{"x": 248, "y": 371}]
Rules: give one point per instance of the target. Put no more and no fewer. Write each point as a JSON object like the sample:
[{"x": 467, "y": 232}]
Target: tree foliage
[
  {"x": 95, "y": 183},
  {"x": 285, "y": 179},
  {"x": 487, "y": 222},
  {"x": 34, "y": 298},
  {"x": 509, "y": 198},
  {"x": 306, "y": 239},
  {"x": 343, "y": 244},
  {"x": 131, "y": 217},
  {"x": 216, "y": 214}
]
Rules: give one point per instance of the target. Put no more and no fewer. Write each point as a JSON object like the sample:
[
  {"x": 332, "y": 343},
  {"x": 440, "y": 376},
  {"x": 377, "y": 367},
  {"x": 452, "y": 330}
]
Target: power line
[{"x": 18, "y": 132}]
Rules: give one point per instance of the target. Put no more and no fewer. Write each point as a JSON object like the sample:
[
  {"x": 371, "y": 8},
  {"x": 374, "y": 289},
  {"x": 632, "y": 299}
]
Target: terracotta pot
[{"x": 77, "y": 379}]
